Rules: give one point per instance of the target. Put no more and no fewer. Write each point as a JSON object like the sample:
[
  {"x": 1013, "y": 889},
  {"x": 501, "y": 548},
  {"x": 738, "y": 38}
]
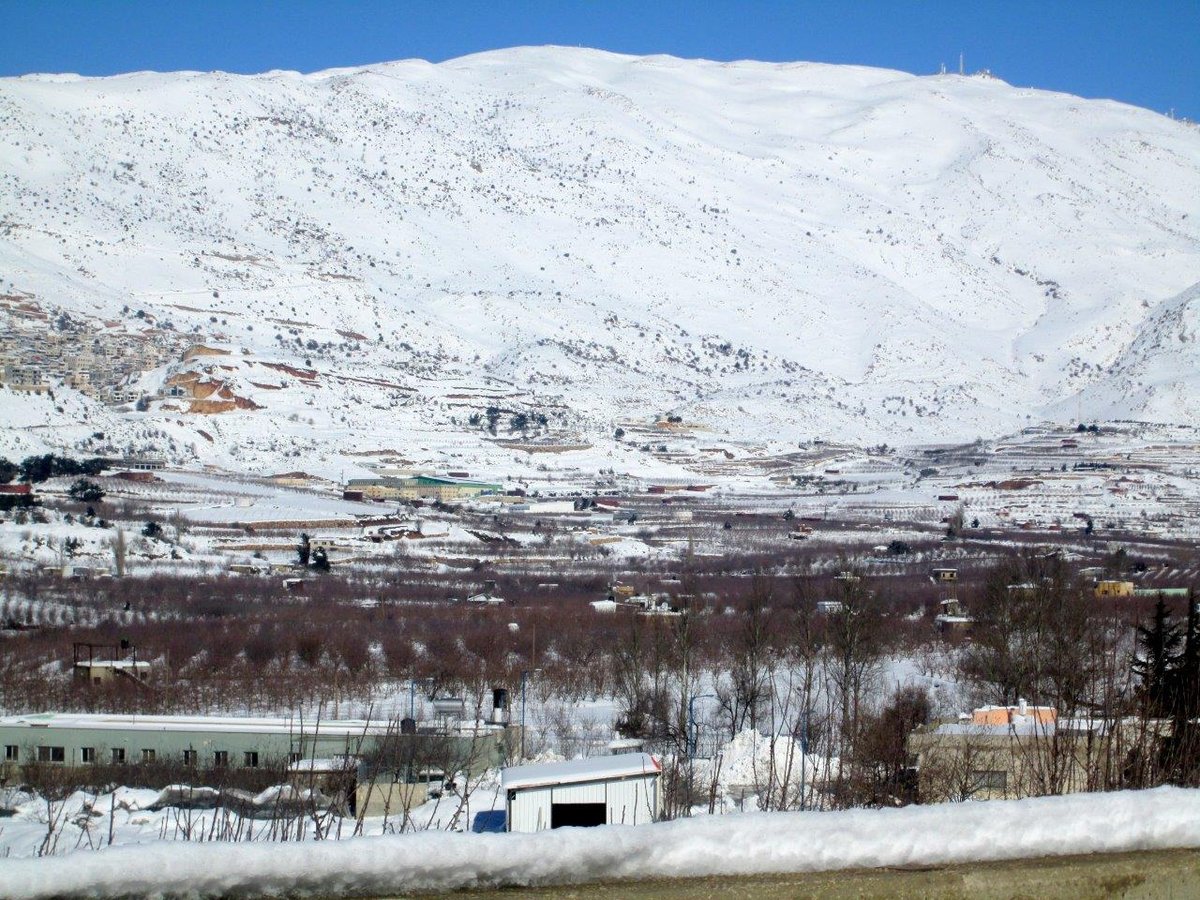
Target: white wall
[
  {"x": 633, "y": 801},
  {"x": 630, "y": 801},
  {"x": 529, "y": 810}
]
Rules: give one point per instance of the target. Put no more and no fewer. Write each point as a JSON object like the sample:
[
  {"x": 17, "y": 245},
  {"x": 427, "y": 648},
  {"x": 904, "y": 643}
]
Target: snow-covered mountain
[{"x": 770, "y": 252}]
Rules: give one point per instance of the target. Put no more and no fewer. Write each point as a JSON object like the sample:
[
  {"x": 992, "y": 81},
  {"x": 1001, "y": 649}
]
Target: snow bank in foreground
[{"x": 739, "y": 844}]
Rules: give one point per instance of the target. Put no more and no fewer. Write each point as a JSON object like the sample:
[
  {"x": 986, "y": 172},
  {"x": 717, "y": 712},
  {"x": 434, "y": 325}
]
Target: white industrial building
[{"x": 603, "y": 790}]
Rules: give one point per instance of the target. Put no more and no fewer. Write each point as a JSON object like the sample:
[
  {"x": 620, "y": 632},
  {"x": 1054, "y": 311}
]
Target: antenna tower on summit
[{"x": 960, "y": 63}]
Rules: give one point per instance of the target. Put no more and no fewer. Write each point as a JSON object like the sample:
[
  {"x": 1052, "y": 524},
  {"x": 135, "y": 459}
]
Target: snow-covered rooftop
[
  {"x": 113, "y": 664},
  {"x": 322, "y": 765},
  {"x": 596, "y": 768},
  {"x": 225, "y": 724}
]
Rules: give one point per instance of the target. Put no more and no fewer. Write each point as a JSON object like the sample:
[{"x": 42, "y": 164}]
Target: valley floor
[{"x": 1145, "y": 875}]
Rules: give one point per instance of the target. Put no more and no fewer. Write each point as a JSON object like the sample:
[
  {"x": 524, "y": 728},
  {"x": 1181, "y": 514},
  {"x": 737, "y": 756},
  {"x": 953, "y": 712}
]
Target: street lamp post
[
  {"x": 525, "y": 673},
  {"x": 524, "y": 678}
]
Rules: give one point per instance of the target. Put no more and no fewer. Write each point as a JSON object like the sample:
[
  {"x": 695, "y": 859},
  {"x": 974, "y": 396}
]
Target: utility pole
[
  {"x": 690, "y": 739},
  {"x": 803, "y": 756}
]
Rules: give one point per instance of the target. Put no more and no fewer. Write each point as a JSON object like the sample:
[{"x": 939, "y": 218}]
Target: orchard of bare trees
[{"x": 836, "y": 670}]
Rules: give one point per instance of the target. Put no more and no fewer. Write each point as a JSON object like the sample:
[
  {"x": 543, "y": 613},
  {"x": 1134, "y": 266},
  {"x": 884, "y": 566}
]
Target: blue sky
[{"x": 1138, "y": 51}]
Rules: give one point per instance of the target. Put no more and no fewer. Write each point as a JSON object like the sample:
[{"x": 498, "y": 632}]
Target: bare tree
[
  {"x": 119, "y": 552},
  {"x": 742, "y": 692}
]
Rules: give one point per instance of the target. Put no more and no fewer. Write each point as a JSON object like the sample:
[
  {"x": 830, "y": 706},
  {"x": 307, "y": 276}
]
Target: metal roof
[
  {"x": 227, "y": 724},
  {"x": 596, "y": 768}
]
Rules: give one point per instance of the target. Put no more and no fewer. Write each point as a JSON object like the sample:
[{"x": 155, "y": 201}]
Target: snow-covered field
[
  {"x": 1129, "y": 480},
  {"x": 740, "y": 844}
]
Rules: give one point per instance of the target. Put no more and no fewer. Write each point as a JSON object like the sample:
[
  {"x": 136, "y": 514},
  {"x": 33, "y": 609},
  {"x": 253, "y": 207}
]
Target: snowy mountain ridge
[{"x": 534, "y": 247}]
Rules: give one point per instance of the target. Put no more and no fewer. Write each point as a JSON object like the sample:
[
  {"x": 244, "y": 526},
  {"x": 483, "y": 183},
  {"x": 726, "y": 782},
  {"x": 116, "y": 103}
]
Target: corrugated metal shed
[{"x": 606, "y": 790}]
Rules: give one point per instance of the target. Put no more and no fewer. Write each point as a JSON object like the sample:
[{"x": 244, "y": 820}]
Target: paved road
[{"x": 1152, "y": 875}]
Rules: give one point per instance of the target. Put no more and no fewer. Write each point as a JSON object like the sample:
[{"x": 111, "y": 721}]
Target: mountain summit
[{"x": 540, "y": 244}]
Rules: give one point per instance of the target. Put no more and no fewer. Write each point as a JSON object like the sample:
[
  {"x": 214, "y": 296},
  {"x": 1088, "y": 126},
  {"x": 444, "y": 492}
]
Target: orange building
[{"x": 1013, "y": 715}]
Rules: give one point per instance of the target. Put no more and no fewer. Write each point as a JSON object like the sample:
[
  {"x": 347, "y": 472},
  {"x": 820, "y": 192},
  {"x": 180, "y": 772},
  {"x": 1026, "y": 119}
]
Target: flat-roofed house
[
  {"x": 1004, "y": 752},
  {"x": 206, "y": 742}
]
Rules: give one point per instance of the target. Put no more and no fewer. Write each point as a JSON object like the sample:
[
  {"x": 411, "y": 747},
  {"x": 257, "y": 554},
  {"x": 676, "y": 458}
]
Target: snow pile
[
  {"x": 744, "y": 844},
  {"x": 749, "y": 758}
]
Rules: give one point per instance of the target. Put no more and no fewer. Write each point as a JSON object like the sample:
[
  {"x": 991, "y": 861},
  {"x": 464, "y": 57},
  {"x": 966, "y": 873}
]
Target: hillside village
[{"x": 46, "y": 349}]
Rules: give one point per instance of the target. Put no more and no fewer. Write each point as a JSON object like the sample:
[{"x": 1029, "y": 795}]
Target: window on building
[
  {"x": 87, "y": 754},
  {"x": 118, "y": 756},
  {"x": 250, "y": 759},
  {"x": 52, "y": 754},
  {"x": 12, "y": 753},
  {"x": 220, "y": 758},
  {"x": 147, "y": 755},
  {"x": 295, "y": 756},
  {"x": 189, "y": 757},
  {"x": 989, "y": 781}
]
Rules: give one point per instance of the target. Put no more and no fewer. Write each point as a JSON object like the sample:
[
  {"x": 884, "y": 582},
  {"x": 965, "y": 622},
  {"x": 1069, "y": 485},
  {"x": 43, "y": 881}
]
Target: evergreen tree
[
  {"x": 86, "y": 491},
  {"x": 1181, "y": 748},
  {"x": 35, "y": 469},
  {"x": 1185, "y": 687},
  {"x": 302, "y": 549},
  {"x": 1156, "y": 659},
  {"x": 320, "y": 561}
]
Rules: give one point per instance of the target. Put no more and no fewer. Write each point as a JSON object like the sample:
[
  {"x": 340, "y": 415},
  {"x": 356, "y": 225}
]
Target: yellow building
[
  {"x": 420, "y": 487},
  {"x": 1114, "y": 589}
]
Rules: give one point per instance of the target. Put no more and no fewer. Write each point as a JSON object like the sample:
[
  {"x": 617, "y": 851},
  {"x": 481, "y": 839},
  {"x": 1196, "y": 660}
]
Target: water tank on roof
[{"x": 500, "y": 715}]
